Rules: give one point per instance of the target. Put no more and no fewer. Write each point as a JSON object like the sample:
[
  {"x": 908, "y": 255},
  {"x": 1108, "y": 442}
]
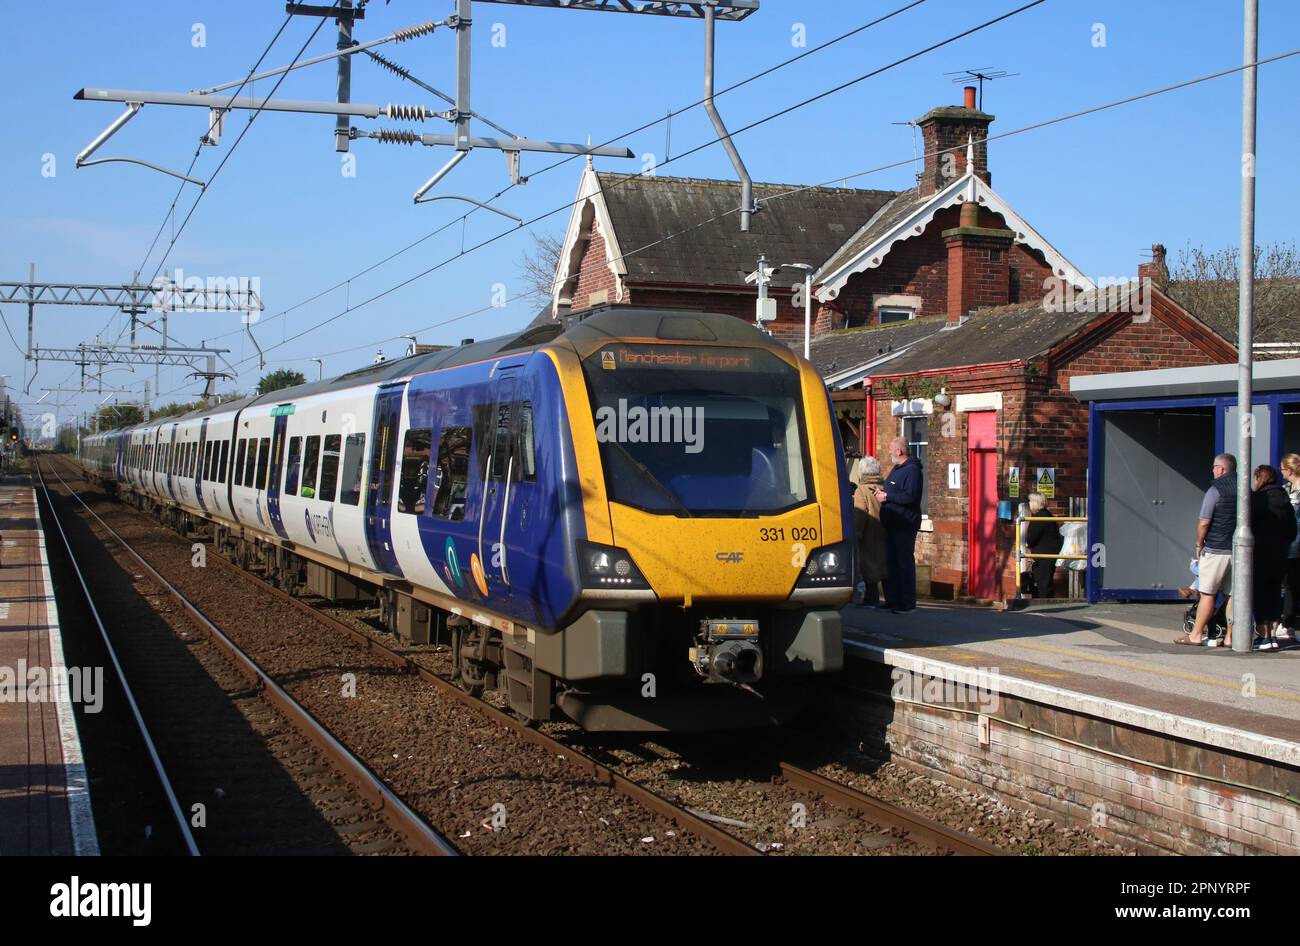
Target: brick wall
[
  {"x": 1040, "y": 425},
  {"x": 594, "y": 272},
  {"x": 1138, "y": 805},
  {"x": 918, "y": 266}
]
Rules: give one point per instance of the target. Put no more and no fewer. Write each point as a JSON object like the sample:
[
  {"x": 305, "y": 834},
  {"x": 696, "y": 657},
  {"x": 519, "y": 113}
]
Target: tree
[
  {"x": 1205, "y": 284},
  {"x": 284, "y": 378},
  {"x": 176, "y": 408},
  {"x": 538, "y": 266},
  {"x": 114, "y": 416}
]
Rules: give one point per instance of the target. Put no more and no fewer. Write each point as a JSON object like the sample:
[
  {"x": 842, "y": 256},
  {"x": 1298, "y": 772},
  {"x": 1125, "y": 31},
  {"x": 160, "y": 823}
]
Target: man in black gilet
[{"x": 1214, "y": 528}]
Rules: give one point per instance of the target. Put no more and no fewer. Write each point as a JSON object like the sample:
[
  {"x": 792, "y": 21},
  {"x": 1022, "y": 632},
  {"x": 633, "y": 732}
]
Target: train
[{"x": 638, "y": 519}]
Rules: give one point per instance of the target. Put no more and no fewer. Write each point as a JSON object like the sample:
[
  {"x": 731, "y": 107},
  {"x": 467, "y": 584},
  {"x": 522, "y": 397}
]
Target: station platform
[
  {"x": 1090, "y": 715},
  {"x": 44, "y": 794},
  {"x": 1113, "y": 661}
]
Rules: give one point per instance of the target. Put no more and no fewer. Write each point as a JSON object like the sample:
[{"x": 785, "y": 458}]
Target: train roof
[{"x": 582, "y": 329}]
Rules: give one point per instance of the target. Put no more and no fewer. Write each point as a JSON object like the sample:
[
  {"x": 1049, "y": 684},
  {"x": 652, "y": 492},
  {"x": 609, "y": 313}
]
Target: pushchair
[{"x": 1218, "y": 626}]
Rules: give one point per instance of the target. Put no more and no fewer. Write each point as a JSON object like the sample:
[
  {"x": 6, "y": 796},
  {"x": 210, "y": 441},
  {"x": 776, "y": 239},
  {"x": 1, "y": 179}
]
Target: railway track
[
  {"x": 917, "y": 829},
  {"x": 418, "y": 835}
]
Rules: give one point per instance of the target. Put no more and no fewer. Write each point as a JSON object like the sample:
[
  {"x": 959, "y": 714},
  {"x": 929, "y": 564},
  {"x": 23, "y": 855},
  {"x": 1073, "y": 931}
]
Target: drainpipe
[{"x": 746, "y": 182}]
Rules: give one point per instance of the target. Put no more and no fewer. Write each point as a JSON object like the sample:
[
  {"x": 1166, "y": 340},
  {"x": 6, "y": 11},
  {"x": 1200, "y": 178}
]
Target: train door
[
  {"x": 199, "y": 470},
  {"x": 278, "y": 437},
  {"x": 492, "y": 432},
  {"x": 379, "y": 490}
]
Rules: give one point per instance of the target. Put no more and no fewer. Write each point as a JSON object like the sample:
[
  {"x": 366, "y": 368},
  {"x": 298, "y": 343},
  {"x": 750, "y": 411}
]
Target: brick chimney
[
  {"x": 979, "y": 266},
  {"x": 829, "y": 318},
  {"x": 945, "y": 132},
  {"x": 1156, "y": 270}
]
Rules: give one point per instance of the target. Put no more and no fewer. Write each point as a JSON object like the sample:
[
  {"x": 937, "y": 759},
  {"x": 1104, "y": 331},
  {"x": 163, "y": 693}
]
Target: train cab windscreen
[{"x": 693, "y": 430}]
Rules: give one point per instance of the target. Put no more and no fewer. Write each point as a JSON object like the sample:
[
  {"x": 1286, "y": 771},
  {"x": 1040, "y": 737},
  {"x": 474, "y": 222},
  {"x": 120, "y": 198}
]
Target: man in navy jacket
[{"x": 900, "y": 513}]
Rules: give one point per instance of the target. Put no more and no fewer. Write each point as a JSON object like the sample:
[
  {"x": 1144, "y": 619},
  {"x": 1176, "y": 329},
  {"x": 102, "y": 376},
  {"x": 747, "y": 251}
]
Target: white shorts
[{"x": 1214, "y": 573}]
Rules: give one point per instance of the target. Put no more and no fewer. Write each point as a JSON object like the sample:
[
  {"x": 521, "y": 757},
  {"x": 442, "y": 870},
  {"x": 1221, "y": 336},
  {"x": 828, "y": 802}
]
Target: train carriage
[{"x": 639, "y": 517}]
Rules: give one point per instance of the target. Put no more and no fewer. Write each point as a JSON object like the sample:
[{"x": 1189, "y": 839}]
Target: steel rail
[
  {"x": 399, "y": 815},
  {"x": 918, "y": 827},
  {"x": 726, "y": 842},
  {"x": 603, "y": 774},
  {"x": 178, "y": 815}
]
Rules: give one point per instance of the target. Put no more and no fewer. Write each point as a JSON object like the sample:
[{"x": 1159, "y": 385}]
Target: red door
[{"x": 982, "y": 464}]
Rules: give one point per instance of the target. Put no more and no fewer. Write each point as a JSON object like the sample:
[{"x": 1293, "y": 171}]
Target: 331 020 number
[{"x": 797, "y": 534}]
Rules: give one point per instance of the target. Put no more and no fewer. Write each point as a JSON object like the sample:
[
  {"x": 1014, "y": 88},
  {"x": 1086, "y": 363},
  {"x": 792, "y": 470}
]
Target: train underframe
[{"x": 653, "y": 667}]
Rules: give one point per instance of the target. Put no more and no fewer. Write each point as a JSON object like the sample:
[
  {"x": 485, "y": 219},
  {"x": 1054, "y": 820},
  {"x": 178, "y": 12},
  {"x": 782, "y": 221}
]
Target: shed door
[{"x": 1156, "y": 468}]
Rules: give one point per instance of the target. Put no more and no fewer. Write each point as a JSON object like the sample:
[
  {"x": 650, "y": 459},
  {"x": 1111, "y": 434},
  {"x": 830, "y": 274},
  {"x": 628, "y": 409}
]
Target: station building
[{"x": 939, "y": 314}]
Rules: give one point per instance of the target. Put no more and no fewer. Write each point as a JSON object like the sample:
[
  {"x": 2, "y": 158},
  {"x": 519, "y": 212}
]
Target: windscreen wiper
[{"x": 654, "y": 480}]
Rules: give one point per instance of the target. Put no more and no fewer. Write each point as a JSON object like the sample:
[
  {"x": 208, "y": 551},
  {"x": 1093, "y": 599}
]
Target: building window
[
  {"x": 890, "y": 313},
  {"x": 916, "y": 430}
]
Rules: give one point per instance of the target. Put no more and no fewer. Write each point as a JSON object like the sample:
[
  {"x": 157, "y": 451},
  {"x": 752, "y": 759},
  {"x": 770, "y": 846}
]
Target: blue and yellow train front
[{"x": 718, "y": 544}]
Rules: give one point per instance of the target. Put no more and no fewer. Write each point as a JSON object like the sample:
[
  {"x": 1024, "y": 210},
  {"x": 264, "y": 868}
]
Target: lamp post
[
  {"x": 807, "y": 303},
  {"x": 320, "y": 368}
]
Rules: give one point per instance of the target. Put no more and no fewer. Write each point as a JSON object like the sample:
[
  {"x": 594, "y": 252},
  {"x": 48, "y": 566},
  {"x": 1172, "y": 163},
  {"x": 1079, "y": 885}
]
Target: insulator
[
  {"x": 411, "y": 32},
  {"x": 398, "y": 136},
  {"x": 390, "y": 66},
  {"x": 407, "y": 113}
]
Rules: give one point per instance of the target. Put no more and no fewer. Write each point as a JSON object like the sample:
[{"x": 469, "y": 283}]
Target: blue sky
[{"x": 1102, "y": 188}]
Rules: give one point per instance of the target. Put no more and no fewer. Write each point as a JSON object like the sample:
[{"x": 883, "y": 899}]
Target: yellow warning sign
[
  {"x": 1013, "y": 482},
  {"x": 1047, "y": 481}
]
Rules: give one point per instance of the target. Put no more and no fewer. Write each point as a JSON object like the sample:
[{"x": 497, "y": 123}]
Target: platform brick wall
[
  {"x": 1141, "y": 807},
  {"x": 1133, "y": 804}
]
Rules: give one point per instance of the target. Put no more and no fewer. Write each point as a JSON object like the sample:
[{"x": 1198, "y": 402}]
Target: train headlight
[
  {"x": 609, "y": 567},
  {"x": 828, "y": 565}
]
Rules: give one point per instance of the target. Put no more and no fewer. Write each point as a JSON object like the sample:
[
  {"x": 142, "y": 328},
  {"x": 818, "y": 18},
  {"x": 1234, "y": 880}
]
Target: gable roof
[
  {"x": 804, "y": 225},
  {"x": 908, "y": 214},
  {"x": 684, "y": 231}
]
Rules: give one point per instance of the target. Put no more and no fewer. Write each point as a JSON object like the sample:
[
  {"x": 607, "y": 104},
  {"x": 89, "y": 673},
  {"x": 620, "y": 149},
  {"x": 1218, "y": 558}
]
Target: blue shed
[{"x": 1152, "y": 436}]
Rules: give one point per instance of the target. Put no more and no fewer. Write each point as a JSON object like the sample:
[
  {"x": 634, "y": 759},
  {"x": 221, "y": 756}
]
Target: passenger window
[
  {"x": 509, "y": 439},
  {"x": 239, "y": 462},
  {"x": 291, "y": 467},
  {"x": 524, "y": 445},
  {"x": 207, "y": 459},
  {"x": 223, "y": 461},
  {"x": 329, "y": 468},
  {"x": 310, "y": 460},
  {"x": 263, "y": 461},
  {"x": 250, "y": 467},
  {"x": 414, "y": 483},
  {"x": 451, "y": 476},
  {"x": 353, "y": 454}
]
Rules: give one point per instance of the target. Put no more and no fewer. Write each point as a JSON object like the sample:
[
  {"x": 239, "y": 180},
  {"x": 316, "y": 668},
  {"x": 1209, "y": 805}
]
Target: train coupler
[{"x": 728, "y": 651}]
